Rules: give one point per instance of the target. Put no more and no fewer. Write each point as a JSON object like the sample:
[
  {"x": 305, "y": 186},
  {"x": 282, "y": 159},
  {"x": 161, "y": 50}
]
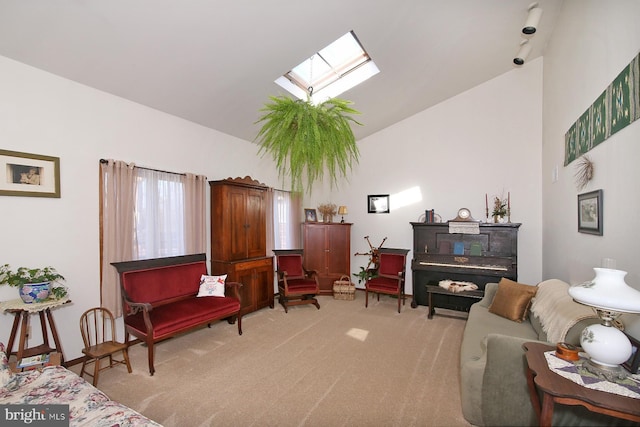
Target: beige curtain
[
  {"x": 195, "y": 187},
  {"x": 117, "y": 209},
  {"x": 270, "y": 219}
]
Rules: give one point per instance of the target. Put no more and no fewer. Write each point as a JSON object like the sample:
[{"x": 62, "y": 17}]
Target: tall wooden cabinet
[
  {"x": 327, "y": 249},
  {"x": 239, "y": 239}
]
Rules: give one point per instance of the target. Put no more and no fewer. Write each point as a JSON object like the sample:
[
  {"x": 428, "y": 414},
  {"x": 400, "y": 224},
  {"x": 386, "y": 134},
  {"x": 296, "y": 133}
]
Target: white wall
[
  {"x": 44, "y": 114},
  {"x": 593, "y": 41},
  {"x": 486, "y": 140}
]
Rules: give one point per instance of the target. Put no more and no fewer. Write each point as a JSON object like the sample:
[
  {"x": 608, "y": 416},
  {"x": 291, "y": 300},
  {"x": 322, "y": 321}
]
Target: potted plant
[
  {"x": 365, "y": 274},
  {"x": 306, "y": 139},
  {"x": 34, "y": 284}
]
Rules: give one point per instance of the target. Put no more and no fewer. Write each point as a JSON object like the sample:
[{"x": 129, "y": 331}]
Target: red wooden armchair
[
  {"x": 296, "y": 285},
  {"x": 390, "y": 276}
]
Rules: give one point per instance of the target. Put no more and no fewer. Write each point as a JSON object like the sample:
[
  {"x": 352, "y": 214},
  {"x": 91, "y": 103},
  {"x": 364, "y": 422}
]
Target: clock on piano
[{"x": 464, "y": 215}]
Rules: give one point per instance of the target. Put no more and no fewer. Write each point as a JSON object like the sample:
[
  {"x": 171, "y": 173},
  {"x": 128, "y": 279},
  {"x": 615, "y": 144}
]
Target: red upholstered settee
[{"x": 160, "y": 299}]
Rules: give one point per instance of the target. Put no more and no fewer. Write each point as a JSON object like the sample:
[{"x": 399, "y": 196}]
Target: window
[
  {"x": 159, "y": 229},
  {"x": 286, "y": 223},
  {"x": 331, "y": 71}
]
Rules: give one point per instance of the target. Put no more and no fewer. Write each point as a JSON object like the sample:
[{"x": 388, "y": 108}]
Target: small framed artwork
[
  {"x": 26, "y": 174},
  {"x": 590, "y": 212},
  {"x": 378, "y": 203},
  {"x": 310, "y": 215},
  {"x": 633, "y": 363}
]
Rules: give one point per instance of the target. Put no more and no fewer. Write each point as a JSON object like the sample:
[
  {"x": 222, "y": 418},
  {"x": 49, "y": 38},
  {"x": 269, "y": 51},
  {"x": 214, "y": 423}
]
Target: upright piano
[{"x": 480, "y": 256}]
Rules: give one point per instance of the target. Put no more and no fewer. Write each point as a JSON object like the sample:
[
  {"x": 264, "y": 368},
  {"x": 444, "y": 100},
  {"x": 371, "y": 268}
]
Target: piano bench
[{"x": 478, "y": 294}]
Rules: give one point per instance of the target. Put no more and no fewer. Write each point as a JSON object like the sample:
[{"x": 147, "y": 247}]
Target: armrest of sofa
[
  {"x": 490, "y": 290},
  {"x": 505, "y": 393},
  {"x": 234, "y": 287}
]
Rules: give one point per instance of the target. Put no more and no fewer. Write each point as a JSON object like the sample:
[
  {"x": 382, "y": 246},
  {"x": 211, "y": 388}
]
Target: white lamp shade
[
  {"x": 605, "y": 345},
  {"x": 607, "y": 291}
]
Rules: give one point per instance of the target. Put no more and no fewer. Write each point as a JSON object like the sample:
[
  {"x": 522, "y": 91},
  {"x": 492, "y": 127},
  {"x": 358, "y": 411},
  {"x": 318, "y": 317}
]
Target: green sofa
[{"x": 494, "y": 388}]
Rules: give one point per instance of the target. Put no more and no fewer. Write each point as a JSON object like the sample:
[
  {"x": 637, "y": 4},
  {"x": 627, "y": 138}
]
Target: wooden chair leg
[
  {"x": 84, "y": 365},
  {"x": 366, "y": 298},
  {"x": 152, "y": 370},
  {"x": 96, "y": 371},
  {"x": 125, "y": 354}
]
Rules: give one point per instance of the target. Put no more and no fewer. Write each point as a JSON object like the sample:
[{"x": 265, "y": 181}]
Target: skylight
[{"x": 331, "y": 71}]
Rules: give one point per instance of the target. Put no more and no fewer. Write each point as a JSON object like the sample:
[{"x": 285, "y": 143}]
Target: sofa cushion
[
  {"x": 512, "y": 300},
  {"x": 481, "y": 322},
  {"x": 170, "y": 318}
]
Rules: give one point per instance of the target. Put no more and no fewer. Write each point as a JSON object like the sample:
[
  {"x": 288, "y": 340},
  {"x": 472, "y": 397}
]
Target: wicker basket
[{"x": 344, "y": 289}]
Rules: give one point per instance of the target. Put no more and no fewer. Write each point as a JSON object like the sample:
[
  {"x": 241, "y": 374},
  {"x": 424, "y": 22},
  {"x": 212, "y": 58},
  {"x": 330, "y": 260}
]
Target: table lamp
[
  {"x": 342, "y": 210},
  {"x": 605, "y": 344}
]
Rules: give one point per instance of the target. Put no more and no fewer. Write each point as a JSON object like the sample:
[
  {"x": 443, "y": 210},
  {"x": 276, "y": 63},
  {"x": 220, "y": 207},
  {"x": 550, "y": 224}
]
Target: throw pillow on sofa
[
  {"x": 512, "y": 300},
  {"x": 212, "y": 286}
]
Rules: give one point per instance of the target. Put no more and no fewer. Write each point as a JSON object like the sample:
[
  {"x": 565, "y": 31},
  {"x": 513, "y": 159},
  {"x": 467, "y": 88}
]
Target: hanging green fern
[{"x": 306, "y": 139}]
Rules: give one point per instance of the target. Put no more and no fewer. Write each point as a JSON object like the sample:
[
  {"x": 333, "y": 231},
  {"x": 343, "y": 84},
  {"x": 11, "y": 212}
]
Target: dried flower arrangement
[{"x": 327, "y": 210}]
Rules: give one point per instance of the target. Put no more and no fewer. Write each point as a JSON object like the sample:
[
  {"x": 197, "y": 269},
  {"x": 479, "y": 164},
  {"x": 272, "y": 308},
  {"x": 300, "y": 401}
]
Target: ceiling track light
[
  {"x": 523, "y": 53},
  {"x": 533, "y": 19}
]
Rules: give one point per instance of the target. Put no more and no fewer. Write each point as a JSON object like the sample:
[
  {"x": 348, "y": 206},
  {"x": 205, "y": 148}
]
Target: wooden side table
[
  {"x": 556, "y": 389},
  {"x": 22, "y": 312}
]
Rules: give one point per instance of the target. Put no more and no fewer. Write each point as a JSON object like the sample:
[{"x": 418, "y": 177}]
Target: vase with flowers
[
  {"x": 34, "y": 284},
  {"x": 499, "y": 210}
]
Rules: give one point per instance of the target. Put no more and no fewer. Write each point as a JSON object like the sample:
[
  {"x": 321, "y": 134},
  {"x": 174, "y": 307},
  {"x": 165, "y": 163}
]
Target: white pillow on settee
[{"x": 212, "y": 286}]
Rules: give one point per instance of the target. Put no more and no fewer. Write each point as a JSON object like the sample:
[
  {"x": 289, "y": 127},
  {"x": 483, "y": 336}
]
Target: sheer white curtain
[
  {"x": 159, "y": 229},
  {"x": 287, "y": 209}
]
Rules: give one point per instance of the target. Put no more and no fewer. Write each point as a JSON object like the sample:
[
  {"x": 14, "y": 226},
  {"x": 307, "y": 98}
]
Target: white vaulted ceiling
[{"x": 214, "y": 62}]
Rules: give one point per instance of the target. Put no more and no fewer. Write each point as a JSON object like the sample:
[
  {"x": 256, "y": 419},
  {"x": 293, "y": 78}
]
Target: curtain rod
[{"x": 149, "y": 169}]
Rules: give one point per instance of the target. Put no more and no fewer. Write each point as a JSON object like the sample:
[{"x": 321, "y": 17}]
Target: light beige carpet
[{"x": 342, "y": 365}]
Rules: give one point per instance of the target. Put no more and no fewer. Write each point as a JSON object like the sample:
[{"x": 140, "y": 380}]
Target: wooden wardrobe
[{"x": 239, "y": 237}]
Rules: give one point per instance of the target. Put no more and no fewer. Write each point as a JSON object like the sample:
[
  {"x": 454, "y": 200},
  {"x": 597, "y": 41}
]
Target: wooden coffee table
[{"x": 556, "y": 389}]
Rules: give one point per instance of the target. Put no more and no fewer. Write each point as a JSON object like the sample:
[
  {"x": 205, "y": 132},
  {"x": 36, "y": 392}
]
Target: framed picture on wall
[
  {"x": 590, "y": 212},
  {"x": 310, "y": 215},
  {"x": 378, "y": 203},
  {"x": 26, "y": 174}
]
